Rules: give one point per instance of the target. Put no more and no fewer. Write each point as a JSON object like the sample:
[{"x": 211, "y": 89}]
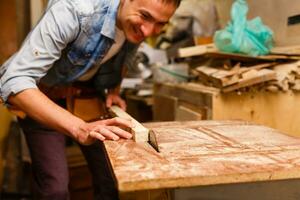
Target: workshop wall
[
  {"x": 8, "y": 41},
  {"x": 274, "y": 13},
  {"x": 14, "y": 23},
  {"x": 8, "y": 33},
  {"x": 5, "y": 119}
]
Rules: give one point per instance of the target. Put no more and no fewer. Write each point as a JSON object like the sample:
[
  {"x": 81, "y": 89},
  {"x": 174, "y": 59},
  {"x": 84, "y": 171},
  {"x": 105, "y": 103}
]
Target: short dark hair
[{"x": 175, "y": 2}]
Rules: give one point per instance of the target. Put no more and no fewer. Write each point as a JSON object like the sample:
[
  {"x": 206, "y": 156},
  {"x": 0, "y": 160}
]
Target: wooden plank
[
  {"x": 139, "y": 132},
  {"x": 239, "y": 57},
  {"x": 196, "y": 50},
  {"x": 210, "y": 50},
  {"x": 197, "y": 154}
]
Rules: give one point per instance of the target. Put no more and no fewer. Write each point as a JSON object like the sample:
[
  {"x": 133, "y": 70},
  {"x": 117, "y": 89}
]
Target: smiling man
[
  {"x": 140, "y": 19},
  {"x": 86, "y": 43}
]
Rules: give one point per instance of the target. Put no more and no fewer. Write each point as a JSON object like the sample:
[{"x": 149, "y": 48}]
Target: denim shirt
[{"x": 69, "y": 39}]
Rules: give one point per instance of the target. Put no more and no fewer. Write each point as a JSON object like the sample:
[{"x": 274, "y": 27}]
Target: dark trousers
[{"x": 49, "y": 164}]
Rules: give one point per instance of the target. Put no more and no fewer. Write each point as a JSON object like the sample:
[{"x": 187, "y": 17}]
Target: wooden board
[
  {"x": 211, "y": 51},
  {"x": 198, "y": 153},
  {"x": 139, "y": 132},
  {"x": 196, "y": 50}
]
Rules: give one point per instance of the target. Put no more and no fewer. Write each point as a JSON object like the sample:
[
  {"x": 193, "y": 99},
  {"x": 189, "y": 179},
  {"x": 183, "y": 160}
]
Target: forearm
[{"x": 38, "y": 106}]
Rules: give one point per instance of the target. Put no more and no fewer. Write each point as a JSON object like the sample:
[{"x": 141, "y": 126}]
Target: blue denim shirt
[{"x": 69, "y": 39}]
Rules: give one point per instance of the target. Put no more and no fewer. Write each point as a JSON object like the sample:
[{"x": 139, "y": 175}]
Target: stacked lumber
[
  {"x": 237, "y": 77},
  {"x": 269, "y": 76},
  {"x": 287, "y": 77},
  {"x": 278, "y": 71}
]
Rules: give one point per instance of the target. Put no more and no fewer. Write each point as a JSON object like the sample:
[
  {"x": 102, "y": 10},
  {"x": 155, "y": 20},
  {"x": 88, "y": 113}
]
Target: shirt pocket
[{"x": 89, "y": 39}]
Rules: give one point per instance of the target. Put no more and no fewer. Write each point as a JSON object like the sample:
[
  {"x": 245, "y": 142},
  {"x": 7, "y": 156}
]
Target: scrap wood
[
  {"x": 284, "y": 70},
  {"x": 286, "y": 75},
  {"x": 252, "y": 78},
  {"x": 219, "y": 77},
  {"x": 275, "y": 85},
  {"x": 222, "y": 78},
  {"x": 272, "y": 88},
  {"x": 238, "y": 70},
  {"x": 296, "y": 86}
]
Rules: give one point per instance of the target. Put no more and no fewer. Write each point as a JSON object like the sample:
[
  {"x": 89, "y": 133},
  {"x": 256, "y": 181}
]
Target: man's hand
[
  {"x": 39, "y": 107},
  {"x": 110, "y": 129},
  {"x": 113, "y": 98}
]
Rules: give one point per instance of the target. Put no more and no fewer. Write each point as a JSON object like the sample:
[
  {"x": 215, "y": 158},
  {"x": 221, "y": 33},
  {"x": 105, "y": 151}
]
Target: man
[{"x": 82, "y": 41}]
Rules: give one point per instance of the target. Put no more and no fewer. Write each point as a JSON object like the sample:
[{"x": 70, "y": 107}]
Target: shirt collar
[{"x": 108, "y": 28}]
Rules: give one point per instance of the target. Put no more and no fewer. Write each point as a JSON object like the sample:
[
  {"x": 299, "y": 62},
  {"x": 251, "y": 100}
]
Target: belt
[{"x": 81, "y": 100}]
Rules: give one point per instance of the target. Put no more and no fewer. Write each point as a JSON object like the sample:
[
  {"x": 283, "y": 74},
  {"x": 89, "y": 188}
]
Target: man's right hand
[
  {"x": 109, "y": 129},
  {"x": 39, "y": 107}
]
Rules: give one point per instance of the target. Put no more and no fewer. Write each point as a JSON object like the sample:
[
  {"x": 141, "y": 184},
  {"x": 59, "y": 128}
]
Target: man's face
[{"x": 143, "y": 18}]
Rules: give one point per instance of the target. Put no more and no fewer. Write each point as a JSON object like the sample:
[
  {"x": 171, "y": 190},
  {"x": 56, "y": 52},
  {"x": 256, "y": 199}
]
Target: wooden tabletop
[{"x": 204, "y": 153}]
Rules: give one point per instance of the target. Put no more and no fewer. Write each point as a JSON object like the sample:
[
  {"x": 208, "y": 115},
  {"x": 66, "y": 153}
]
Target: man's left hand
[{"x": 115, "y": 99}]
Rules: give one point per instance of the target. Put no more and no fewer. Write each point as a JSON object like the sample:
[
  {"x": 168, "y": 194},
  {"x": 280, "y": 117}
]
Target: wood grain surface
[{"x": 199, "y": 153}]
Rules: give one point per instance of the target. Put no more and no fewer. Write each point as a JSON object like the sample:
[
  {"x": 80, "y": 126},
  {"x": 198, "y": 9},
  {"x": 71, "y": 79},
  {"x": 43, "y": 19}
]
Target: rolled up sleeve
[{"x": 42, "y": 47}]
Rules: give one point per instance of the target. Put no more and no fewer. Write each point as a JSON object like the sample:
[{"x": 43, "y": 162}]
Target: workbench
[{"x": 227, "y": 159}]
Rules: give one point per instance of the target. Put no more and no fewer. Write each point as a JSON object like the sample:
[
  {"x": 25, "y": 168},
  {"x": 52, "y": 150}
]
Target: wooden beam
[
  {"x": 196, "y": 50},
  {"x": 139, "y": 132}
]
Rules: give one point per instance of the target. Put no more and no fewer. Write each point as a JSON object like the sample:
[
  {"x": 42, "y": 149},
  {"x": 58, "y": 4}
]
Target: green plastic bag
[{"x": 242, "y": 36}]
